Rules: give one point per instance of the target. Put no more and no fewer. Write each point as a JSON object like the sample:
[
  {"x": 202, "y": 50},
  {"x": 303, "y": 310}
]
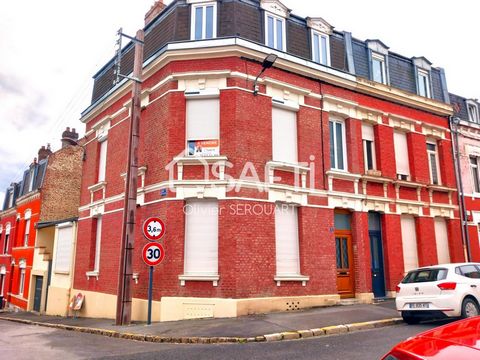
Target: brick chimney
[
  {"x": 69, "y": 137},
  {"x": 156, "y": 9},
  {"x": 44, "y": 152}
]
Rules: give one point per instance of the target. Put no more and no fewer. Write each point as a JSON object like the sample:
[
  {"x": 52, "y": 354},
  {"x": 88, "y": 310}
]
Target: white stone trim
[
  {"x": 300, "y": 278},
  {"x": 213, "y": 278},
  {"x": 275, "y": 7},
  {"x": 320, "y": 25}
]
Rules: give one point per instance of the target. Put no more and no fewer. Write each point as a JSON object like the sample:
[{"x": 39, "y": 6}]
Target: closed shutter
[
  {"x": 401, "y": 153},
  {"x": 64, "y": 249},
  {"x": 201, "y": 237},
  {"x": 203, "y": 119},
  {"x": 102, "y": 161},
  {"x": 284, "y": 135},
  {"x": 441, "y": 237},
  {"x": 286, "y": 240},
  {"x": 367, "y": 132},
  {"x": 409, "y": 242}
]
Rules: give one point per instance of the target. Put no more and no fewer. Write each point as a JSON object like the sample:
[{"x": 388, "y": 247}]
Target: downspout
[
  {"x": 453, "y": 122},
  {"x": 325, "y": 180}
]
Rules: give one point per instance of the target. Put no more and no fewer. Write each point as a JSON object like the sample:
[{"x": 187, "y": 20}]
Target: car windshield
[{"x": 425, "y": 275}]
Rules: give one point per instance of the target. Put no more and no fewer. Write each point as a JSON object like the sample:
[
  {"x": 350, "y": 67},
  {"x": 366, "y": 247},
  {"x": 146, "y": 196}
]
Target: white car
[{"x": 448, "y": 290}]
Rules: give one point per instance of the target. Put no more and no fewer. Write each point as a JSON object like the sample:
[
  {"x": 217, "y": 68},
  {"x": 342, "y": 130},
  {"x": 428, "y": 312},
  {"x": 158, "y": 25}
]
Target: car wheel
[
  {"x": 410, "y": 320},
  {"x": 469, "y": 308}
]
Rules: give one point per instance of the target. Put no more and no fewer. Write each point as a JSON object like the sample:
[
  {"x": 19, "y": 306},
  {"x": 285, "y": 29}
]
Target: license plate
[{"x": 419, "y": 306}]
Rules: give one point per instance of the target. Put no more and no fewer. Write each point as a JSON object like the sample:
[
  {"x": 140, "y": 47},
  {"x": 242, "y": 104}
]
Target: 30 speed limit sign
[
  {"x": 153, "y": 228},
  {"x": 153, "y": 254}
]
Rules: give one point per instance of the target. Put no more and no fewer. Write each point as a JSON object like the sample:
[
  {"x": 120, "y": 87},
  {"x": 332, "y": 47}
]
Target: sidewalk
[{"x": 264, "y": 327}]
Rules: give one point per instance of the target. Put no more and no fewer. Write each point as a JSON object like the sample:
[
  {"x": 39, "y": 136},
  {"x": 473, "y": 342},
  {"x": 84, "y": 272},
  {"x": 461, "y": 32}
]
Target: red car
[{"x": 459, "y": 340}]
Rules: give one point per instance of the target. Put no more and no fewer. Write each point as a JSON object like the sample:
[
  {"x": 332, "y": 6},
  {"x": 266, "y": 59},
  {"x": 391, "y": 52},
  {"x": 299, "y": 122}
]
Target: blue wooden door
[{"x": 376, "y": 252}]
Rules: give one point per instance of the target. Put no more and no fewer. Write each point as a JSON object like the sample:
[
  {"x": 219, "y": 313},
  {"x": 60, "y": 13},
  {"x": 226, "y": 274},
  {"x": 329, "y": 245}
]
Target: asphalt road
[{"x": 19, "y": 341}]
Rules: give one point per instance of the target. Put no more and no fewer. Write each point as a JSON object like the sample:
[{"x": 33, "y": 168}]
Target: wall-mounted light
[{"x": 267, "y": 63}]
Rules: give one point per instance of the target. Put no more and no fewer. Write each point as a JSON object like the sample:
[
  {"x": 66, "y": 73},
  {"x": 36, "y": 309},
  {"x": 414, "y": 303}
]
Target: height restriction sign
[{"x": 153, "y": 228}]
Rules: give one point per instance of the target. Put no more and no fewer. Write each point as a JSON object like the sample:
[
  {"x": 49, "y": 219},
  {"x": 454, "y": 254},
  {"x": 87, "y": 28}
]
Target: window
[
  {"x": 203, "y": 127},
  {"x": 21, "y": 287},
  {"x": 275, "y": 32},
  {"x": 441, "y": 238},
  {"x": 286, "y": 240},
  {"x": 320, "y": 48},
  {"x": 64, "y": 244},
  {"x": 98, "y": 242},
  {"x": 10, "y": 199},
  {"x": 338, "y": 151},
  {"x": 475, "y": 174},
  {"x": 378, "y": 68},
  {"x": 284, "y": 135},
  {"x": 368, "y": 147},
  {"x": 423, "y": 83},
  {"x": 470, "y": 271},
  {"x": 401, "y": 155},
  {"x": 102, "y": 160},
  {"x": 27, "y": 232},
  {"x": 409, "y": 242},
  {"x": 201, "y": 238},
  {"x": 425, "y": 275},
  {"x": 473, "y": 112},
  {"x": 433, "y": 162},
  {"x": 204, "y": 21},
  {"x": 7, "y": 238},
  {"x": 31, "y": 177}
]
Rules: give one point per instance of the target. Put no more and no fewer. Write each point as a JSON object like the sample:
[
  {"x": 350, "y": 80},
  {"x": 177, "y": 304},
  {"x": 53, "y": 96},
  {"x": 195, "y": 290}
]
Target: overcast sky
[{"x": 50, "y": 49}]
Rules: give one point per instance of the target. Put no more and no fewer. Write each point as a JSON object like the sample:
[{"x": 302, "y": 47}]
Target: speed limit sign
[
  {"x": 153, "y": 254},
  {"x": 153, "y": 228}
]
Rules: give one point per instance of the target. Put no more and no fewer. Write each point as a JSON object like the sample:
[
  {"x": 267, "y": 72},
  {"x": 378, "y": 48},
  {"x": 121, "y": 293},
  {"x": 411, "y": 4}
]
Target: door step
[
  {"x": 380, "y": 300},
  {"x": 351, "y": 301}
]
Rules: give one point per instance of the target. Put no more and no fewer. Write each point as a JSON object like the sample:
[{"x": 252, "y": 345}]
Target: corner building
[{"x": 329, "y": 183}]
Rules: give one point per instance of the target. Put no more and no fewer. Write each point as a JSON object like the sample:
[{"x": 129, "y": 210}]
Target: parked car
[
  {"x": 459, "y": 340},
  {"x": 448, "y": 290}
]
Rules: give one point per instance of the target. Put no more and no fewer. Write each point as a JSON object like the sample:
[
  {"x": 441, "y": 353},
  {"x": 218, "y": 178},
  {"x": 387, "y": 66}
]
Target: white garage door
[{"x": 409, "y": 242}]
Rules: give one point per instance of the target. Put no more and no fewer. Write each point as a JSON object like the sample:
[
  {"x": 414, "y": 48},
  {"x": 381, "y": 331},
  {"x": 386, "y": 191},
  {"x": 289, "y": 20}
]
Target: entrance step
[
  {"x": 351, "y": 301},
  {"x": 380, "y": 300}
]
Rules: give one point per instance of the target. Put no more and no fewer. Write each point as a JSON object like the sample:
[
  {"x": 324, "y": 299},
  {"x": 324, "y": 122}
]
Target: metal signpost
[{"x": 153, "y": 253}]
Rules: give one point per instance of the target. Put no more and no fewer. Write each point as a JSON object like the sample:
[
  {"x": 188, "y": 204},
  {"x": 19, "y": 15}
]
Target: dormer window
[
  {"x": 378, "y": 68},
  {"x": 422, "y": 76},
  {"x": 30, "y": 179},
  {"x": 204, "y": 20},
  {"x": 275, "y": 32},
  {"x": 321, "y": 31},
  {"x": 275, "y": 26},
  {"x": 423, "y": 83},
  {"x": 378, "y": 56},
  {"x": 472, "y": 108}
]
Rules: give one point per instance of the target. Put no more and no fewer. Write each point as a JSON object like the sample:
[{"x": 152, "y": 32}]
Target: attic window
[
  {"x": 320, "y": 48},
  {"x": 275, "y": 32},
  {"x": 378, "y": 68},
  {"x": 423, "y": 81},
  {"x": 472, "y": 111},
  {"x": 204, "y": 21}
]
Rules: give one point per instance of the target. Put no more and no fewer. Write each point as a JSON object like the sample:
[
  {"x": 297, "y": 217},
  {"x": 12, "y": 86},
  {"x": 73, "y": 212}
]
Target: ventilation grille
[
  {"x": 197, "y": 311},
  {"x": 293, "y": 305}
]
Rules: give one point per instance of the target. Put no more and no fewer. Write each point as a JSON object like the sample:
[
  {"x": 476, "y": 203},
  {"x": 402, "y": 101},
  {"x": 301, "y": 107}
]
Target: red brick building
[{"x": 330, "y": 182}]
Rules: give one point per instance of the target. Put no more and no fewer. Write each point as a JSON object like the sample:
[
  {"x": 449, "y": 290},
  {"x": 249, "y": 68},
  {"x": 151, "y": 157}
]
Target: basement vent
[
  {"x": 293, "y": 305},
  {"x": 197, "y": 311}
]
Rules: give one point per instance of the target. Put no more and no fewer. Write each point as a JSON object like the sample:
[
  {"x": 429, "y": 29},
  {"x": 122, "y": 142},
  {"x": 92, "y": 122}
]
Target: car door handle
[{"x": 473, "y": 286}]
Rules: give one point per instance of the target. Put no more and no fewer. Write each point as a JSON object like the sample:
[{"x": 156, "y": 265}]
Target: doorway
[
  {"x": 376, "y": 252},
  {"x": 344, "y": 254},
  {"x": 37, "y": 300}
]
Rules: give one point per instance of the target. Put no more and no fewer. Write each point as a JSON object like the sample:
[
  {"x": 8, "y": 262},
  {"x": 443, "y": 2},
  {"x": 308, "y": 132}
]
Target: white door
[{"x": 441, "y": 238}]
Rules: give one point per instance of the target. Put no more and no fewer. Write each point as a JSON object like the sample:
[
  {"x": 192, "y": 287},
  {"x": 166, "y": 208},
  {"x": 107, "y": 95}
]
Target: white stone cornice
[
  {"x": 275, "y": 7},
  {"x": 319, "y": 24}
]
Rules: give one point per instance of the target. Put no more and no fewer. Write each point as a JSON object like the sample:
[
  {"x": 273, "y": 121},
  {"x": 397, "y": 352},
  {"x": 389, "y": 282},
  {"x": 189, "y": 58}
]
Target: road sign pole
[{"x": 150, "y": 286}]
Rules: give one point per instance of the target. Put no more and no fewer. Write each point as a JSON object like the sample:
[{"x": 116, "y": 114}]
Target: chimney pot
[{"x": 156, "y": 9}]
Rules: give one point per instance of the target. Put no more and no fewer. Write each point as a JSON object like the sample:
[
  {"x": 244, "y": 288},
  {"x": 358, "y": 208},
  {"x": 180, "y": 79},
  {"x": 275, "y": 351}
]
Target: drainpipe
[{"x": 453, "y": 122}]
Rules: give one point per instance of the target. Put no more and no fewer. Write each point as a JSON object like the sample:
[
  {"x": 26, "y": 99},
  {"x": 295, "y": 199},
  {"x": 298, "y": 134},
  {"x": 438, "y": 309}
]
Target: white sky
[{"x": 50, "y": 49}]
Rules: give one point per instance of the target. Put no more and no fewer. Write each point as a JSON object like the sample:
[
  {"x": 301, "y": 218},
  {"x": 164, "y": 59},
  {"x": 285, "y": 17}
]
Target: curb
[{"x": 287, "y": 335}]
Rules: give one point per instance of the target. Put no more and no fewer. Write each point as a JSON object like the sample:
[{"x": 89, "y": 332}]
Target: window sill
[
  {"x": 213, "y": 278},
  {"x": 97, "y": 186},
  {"x": 342, "y": 174},
  {"x": 92, "y": 274},
  {"x": 284, "y": 166},
  {"x": 280, "y": 278},
  {"x": 199, "y": 160},
  {"x": 60, "y": 272},
  {"x": 441, "y": 188}
]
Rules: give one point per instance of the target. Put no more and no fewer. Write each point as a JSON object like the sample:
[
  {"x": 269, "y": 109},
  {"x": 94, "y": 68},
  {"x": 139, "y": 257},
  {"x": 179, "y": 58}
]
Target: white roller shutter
[
  {"x": 441, "y": 237},
  {"x": 367, "y": 132},
  {"x": 63, "y": 258},
  {"x": 286, "y": 240},
  {"x": 201, "y": 237},
  {"x": 203, "y": 119},
  {"x": 401, "y": 153},
  {"x": 409, "y": 242},
  {"x": 284, "y": 135},
  {"x": 102, "y": 161}
]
